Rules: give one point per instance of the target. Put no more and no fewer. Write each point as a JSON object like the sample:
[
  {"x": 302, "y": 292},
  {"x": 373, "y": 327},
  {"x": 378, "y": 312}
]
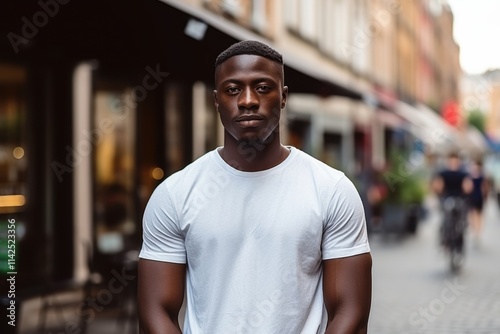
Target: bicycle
[{"x": 453, "y": 230}]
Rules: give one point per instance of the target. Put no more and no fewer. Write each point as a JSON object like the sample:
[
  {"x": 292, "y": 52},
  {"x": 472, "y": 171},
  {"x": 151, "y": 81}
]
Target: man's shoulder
[
  {"x": 190, "y": 171},
  {"x": 318, "y": 166}
]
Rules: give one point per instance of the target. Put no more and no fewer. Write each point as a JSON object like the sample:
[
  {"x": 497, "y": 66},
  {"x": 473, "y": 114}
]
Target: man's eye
[
  {"x": 263, "y": 89},
  {"x": 232, "y": 90}
]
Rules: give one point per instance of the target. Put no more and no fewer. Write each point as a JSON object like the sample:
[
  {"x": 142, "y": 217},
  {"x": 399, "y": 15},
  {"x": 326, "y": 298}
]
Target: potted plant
[{"x": 402, "y": 206}]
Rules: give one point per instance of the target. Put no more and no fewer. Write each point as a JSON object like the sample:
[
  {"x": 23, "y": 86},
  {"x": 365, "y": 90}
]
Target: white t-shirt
[{"x": 254, "y": 242}]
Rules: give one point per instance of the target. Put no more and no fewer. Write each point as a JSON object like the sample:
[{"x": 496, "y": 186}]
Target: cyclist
[{"x": 453, "y": 186}]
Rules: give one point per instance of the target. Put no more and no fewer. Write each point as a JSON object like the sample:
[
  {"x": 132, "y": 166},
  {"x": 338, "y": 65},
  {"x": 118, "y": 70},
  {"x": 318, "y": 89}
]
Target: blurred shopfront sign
[
  {"x": 438, "y": 134},
  {"x": 452, "y": 114}
]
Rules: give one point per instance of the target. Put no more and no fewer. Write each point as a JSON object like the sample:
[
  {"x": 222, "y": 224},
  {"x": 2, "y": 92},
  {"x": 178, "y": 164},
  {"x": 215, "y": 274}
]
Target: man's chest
[{"x": 256, "y": 225}]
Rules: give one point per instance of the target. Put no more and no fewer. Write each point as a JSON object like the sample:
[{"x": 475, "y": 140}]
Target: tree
[{"x": 476, "y": 118}]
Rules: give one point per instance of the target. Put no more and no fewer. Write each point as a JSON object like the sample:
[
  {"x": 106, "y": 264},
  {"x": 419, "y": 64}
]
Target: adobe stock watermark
[
  {"x": 363, "y": 36},
  {"x": 83, "y": 149},
  {"x": 86, "y": 311},
  {"x": 449, "y": 294},
  {"x": 31, "y": 27},
  {"x": 150, "y": 82}
]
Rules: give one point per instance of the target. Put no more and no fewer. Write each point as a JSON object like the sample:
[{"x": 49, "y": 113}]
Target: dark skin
[
  {"x": 347, "y": 291},
  {"x": 160, "y": 296},
  {"x": 249, "y": 97}
]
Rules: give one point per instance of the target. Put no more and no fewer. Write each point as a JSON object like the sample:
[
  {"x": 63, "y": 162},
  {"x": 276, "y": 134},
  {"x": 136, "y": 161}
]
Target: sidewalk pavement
[{"x": 414, "y": 290}]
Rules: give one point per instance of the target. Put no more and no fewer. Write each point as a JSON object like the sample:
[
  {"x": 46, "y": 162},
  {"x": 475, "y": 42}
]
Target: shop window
[
  {"x": 233, "y": 7},
  {"x": 114, "y": 118},
  {"x": 175, "y": 117},
  {"x": 327, "y": 25},
  {"x": 260, "y": 15},
  {"x": 299, "y": 134},
  {"x": 332, "y": 150},
  {"x": 13, "y": 164},
  {"x": 340, "y": 31},
  {"x": 292, "y": 14},
  {"x": 206, "y": 128},
  {"x": 309, "y": 19},
  {"x": 301, "y": 16},
  {"x": 362, "y": 38}
]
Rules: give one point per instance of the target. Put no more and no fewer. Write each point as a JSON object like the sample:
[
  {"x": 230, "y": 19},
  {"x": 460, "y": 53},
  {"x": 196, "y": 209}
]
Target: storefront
[
  {"x": 98, "y": 106},
  {"x": 333, "y": 129},
  {"x": 96, "y": 110}
]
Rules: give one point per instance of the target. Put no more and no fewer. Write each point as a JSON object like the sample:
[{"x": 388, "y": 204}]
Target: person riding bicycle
[
  {"x": 453, "y": 181},
  {"x": 453, "y": 185}
]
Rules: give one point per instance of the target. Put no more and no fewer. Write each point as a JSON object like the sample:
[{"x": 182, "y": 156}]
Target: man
[
  {"x": 453, "y": 185},
  {"x": 452, "y": 181},
  {"x": 264, "y": 238}
]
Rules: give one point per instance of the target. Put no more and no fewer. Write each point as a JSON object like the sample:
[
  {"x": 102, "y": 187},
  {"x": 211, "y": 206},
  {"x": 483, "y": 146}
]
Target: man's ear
[
  {"x": 216, "y": 100},
  {"x": 284, "y": 96}
]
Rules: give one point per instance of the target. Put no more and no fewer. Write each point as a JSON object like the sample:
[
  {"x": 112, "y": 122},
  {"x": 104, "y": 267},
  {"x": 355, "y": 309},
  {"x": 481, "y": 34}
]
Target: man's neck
[{"x": 253, "y": 156}]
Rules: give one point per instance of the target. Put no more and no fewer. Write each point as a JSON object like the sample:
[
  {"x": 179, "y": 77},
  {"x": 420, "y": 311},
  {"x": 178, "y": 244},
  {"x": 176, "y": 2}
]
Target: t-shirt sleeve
[
  {"x": 162, "y": 238},
  {"x": 345, "y": 231}
]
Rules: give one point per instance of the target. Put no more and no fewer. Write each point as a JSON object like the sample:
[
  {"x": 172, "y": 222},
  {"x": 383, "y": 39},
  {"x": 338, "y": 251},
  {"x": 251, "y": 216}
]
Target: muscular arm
[
  {"x": 347, "y": 288},
  {"x": 160, "y": 296}
]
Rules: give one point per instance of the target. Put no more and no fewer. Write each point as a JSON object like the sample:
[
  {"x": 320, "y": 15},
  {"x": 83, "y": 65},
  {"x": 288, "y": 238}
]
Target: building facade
[{"x": 99, "y": 102}]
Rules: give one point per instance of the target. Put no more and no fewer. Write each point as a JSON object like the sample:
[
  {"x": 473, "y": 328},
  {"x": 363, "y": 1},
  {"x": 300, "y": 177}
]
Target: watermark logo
[
  {"x": 425, "y": 315},
  {"x": 11, "y": 265}
]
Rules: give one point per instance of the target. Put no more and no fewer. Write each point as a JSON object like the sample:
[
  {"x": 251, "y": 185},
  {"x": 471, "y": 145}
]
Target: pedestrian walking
[
  {"x": 261, "y": 237},
  {"x": 477, "y": 197}
]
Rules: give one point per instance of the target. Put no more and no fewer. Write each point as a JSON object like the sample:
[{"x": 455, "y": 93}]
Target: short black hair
[{"x": 249, "y": 47}]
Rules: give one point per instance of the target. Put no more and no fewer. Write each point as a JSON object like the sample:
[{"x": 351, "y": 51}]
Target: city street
[
  {"x": 415, "y": 292},
  {"x": 413, "y": 288}
]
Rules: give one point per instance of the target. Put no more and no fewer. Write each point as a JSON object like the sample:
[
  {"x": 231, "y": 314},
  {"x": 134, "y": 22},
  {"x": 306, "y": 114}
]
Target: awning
[
  {"x": 389, "y": 119},
  {"x": 127, "y": 36},
  {"x": 439, "y": 136},
  {"x": 427, "y": 126},
  {"x": 470, "y": 141},
  {"x": 307, "y": 77}
]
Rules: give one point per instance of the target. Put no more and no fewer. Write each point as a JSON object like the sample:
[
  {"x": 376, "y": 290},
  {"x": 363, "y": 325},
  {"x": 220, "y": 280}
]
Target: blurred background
[{"x": 102, "y": 100}]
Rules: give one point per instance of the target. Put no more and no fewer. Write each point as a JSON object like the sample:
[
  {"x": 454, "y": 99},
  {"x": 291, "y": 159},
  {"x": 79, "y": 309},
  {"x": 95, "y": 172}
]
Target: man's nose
[{"x": 248, "y": 99}]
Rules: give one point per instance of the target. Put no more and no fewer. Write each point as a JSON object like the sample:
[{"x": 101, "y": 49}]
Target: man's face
[
  {"x": 249, "y": 96},
  {"x": 454, "y": 163}
]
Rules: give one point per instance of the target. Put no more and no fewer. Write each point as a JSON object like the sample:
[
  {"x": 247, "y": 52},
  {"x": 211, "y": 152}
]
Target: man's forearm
[
  {"x": 346, "y": 325},
  {"x": 159, "y": 326},
  {"x": 157, "y": 320},
  {"x": 160, "y": 296}
]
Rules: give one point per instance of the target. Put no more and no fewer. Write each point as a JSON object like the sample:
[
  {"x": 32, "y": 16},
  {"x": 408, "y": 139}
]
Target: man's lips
[{"x": 249, "y": 120}]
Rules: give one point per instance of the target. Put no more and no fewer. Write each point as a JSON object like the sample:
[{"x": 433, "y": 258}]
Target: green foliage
[
  {"x": 476, "y": 118},
  {"x": 405, "y": 182}
]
